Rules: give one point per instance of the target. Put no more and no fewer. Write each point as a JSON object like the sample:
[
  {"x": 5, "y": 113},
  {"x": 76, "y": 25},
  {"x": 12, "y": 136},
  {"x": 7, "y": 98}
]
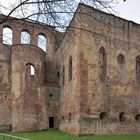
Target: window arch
[
  {"x": 25, "y": 37},
  {"x": 30, "y": 76},
  {"x": 62, "y": 118},
  {"x": 138, "y": 68},
  {"x": 63, "y": 79},
  {"x": 30, "y": 69},
  {"x": 7, "y": 35},
  {"x": 42, "y": 42},
  {"x": 70, "y": 116},
  {"x": 137, "y": 117},
  {"x": 103, "y": 116},
  {"x": 70, "y": 68},
  {"x": 121, "y": 59},
  {"x": 32, "y": 72},
  {"x": 51, "y": 96},
  {"x": 122, "y": 117},
  {"x": 58, "y": 75},
  {"x": 102, "y": 60}
]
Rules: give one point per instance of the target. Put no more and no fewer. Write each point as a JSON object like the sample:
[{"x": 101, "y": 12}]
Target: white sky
[{"x": 129, "y": 10}]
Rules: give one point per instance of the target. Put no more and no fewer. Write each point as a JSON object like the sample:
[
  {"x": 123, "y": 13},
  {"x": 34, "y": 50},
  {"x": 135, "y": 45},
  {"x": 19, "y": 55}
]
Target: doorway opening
[{"x": 51, "y": 122}]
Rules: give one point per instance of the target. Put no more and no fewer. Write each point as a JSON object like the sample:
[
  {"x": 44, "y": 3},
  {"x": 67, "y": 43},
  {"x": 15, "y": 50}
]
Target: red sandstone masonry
[{"x": 86, "y": 104}]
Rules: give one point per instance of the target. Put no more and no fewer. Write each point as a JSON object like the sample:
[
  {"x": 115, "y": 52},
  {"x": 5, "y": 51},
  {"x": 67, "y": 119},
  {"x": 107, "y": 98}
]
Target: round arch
[
  {"x": 7, "y": 35},
  {"x": 42, "y": 41},
  {"x": 25, "y": 37}
]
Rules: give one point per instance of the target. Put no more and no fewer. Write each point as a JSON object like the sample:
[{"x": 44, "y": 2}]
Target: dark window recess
[
  {"x": 51, "y": 95},
  {"x": 63, "y": 118},
  {"x": 138, "y": 68},
  {"x": 103, "y": 62},
  {"x": 58, "y": 75},
  {"x": 137, "y": 117},
  {"x": 70, "y": 116},
  {"x": 63, "y": 80},
  {"x": 51, "y": 122},
  {"x": 121, "y": 59},
  {"x": 103, "y": 116},
  {"x": 122, "y": 117},
  {"x": 70, "y": 68}
]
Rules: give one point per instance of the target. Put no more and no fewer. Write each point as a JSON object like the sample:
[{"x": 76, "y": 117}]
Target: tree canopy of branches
[{"x": 52, "y": 12}]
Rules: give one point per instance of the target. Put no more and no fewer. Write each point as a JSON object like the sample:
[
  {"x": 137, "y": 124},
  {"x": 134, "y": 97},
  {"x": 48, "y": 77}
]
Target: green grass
[{"x": 58, "y": 135}]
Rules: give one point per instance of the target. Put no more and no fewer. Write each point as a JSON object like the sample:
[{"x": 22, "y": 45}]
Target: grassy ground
[{"x": 57, "y": 135}]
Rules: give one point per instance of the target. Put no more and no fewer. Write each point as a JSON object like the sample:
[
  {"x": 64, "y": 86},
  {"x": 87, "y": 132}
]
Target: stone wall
[
  {"x": 87, "y": 82},
  {"x": 26, "y": 99},
  {"x": 92, "y": 125},
  {"x": 22, "y": 98},
  {"x": 118, "y": 92},
  {"x": 5, "y": 88},
  {"x": 70, "y": 88},
  {"x": 52, "y": 103}
]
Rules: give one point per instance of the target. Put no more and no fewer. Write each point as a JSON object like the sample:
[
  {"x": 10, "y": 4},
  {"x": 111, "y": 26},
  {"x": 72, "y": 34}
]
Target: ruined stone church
[{"x": 86, "y": 82}]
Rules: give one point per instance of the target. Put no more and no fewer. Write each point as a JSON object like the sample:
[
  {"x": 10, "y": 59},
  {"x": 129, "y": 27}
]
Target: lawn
[{"x": 58, "y": 135}]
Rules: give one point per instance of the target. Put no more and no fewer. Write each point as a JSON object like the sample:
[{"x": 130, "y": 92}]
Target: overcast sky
[{"x": 129, "y": 10}]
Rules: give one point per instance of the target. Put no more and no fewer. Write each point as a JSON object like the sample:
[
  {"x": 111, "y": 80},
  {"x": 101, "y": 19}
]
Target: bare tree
[{"x": 52, "y": 12}]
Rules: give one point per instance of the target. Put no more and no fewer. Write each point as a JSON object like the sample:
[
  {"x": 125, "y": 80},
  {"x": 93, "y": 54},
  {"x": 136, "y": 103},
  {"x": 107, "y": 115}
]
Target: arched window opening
[
  {"x": 137, "y": 117},
  {"x": 62, "y": 118},
  {"x": 30, "y": 75},
  {"x": 30, "y": 69},
  {"x": 121, "y": 59},
  {"x": 138, "y": 68},
  {"x": 70, "y": 116},
  {"x": 42, "y": 42},
  {"x": 58, "y": 75},
  {"x": 103, "y": 116},
  {"x": 7, "y": 36},
  {"x": 70, "y": 68},
  {"x": 122, "y": 117},
  {"x": 63, "y": 79},
  {"x": 51, "y": 95},
  {"x": 25, "y": 37},
  {"x": 102, "y": 60}
]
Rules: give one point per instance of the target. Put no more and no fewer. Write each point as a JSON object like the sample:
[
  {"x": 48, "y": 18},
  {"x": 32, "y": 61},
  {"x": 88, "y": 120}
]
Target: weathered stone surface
[{"x": 100, "y": 95}]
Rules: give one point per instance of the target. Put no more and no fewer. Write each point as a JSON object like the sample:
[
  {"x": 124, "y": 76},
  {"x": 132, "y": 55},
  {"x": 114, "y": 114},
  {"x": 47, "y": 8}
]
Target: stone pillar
[
  {"x": 34, "y": 38},
  {"x": 16, "y": 34}
]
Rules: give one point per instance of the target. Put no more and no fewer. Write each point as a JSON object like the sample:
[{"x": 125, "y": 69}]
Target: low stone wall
[{"x": 97, "y": 127}]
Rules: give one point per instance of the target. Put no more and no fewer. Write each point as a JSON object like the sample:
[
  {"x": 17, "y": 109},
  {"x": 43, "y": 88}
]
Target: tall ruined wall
[
  {"x": 109, "y": 89},
  {"x": 34, "y": 30},
  {"x": 52, "y": 103},
  {"x": 5, "y": 88},
  {"x": 70, "y": 102},
  {"x": 27, "y": 105},
  {"x": 22, "y": 96}
]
